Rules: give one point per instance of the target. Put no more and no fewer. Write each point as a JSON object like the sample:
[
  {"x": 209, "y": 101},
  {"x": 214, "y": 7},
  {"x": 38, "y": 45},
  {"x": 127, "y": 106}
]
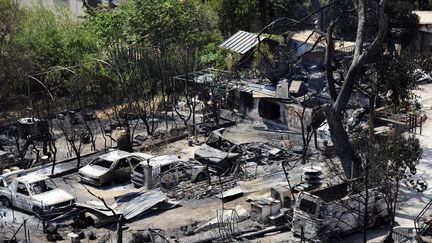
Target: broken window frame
[{"x": 22, "y": 189}]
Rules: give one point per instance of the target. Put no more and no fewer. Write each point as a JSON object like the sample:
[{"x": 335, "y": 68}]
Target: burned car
[
  {"x": 218, "y": 151},
  {"x": 34, "y": 193},
  {"x": 327, "y": 212},
  {"x": 115, "y": 165},
  {"x": 168, "y": 170}
]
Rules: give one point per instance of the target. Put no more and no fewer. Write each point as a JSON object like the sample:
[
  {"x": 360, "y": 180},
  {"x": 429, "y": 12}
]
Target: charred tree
[{"x": 339, "y": 136}]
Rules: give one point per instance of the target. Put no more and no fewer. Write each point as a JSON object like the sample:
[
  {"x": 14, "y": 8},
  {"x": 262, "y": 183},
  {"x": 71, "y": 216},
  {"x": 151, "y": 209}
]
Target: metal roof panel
[{"x": 241, "y": 42}]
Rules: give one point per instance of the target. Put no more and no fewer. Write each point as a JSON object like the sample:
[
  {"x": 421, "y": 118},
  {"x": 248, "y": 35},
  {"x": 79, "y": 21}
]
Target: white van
[{"x": 336, "y": 210}]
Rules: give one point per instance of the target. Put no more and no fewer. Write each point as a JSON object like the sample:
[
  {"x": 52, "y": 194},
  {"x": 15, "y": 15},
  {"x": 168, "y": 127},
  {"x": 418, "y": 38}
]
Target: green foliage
[
  {"x": 263, "y": 52},
  {"x": 211, "y": 55},
  {"x": 253, "y": 15},
  {"x": 109, "y": 25},
  {"x": 55, "y": 40},
  {"x": 57, "y": 47},
  {"x": 162, "y": 24},
  {"x": 396, "y": 79},
  {"x": 424, "y": 5},
  {"x": 10, "y": 18},
  {"x": 403, "y": 20},
  {"x": 12, "y": 64},
  {"x": 235, "y": 15},
  {"x": 167, "y": 22},
  {"x": 400, "y": 156}
]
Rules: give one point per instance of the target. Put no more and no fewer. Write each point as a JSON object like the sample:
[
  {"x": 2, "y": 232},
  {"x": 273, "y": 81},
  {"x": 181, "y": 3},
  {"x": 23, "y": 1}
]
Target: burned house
[
  {"x": 301, "y": 44},
  {"x": 284, "y": 105},
  {"x": 423, "y": 40}
]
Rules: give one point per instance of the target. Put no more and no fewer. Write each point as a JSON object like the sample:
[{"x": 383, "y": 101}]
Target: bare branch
[
  {"x": 360, "y": 60},
  {"x": 329, "y": 58},
  {"x": 101, "y": 199}
]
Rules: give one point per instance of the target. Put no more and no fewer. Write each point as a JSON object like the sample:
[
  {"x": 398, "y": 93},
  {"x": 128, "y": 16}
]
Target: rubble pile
[
  {"x": 357, "y": 118},
  {"x": 187, "y": 190},
  {"x": 262, "y": 153},
  {"x": 6, "y": 141}
]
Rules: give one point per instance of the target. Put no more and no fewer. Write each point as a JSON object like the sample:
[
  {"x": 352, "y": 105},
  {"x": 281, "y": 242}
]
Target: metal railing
[{"x": 421, "y": 223}]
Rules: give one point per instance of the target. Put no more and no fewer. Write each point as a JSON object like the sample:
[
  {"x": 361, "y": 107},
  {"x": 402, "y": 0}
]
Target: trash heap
[{"x": 187, "y": 190}]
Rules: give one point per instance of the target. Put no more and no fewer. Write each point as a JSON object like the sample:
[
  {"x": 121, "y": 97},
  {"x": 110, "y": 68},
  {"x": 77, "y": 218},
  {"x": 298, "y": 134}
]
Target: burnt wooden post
[
  {"x": 120, "y": 229},
  {"x": 25, "y": 230},
  {"x": 302, "y": 235},
  {"x": 208, "y": 174},
  {"x": 316, "y": 139},
  {"x": 415, "y": 124},
  {"x": 421, "y": 124},
  {"x": 410, "y": 123}
]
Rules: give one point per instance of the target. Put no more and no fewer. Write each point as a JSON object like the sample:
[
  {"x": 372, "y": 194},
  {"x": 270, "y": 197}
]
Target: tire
[
  {"x": 37, "y": 210},
  {"x": 5, "y": 202}
]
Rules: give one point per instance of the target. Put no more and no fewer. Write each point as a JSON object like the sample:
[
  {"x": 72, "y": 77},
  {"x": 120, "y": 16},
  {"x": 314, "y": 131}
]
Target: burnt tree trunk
[
  {"x": 339, "y": 136},
  {"x": 372, "y": 118},
  {"x": 342, "y": 144}
]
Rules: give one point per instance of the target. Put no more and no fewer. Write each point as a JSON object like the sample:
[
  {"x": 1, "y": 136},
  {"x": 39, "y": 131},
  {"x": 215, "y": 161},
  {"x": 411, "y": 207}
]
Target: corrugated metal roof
[
  {"x": 241, "y": 42},
  {"x": 133, "y": 204}
]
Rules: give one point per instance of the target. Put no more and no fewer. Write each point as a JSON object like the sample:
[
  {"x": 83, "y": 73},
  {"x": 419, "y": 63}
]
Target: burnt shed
[{"x": 244, "y": 43}]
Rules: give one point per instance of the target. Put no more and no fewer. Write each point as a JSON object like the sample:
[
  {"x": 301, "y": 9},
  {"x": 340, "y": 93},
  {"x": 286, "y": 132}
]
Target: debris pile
[
  {"x": 188, "y": 190},
  {"x": 262, "y": 153}
]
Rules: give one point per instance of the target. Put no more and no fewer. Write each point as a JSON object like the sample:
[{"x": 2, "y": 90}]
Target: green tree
[
  {"x": 424, "y": 5},
  {"x": 398, "y": 158},
  {"x": 109, "y": 25},
  {"x": 57, "y": 47},
  {"x": 13, "y": 61},
  {"x": 164, "y": 23},
  {"x": 235, "y": 15},
  {"x": 403, "y": 24},
  {"x": 397, "y": 79}
]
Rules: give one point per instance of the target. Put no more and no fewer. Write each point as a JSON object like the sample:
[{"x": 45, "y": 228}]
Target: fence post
[
  {"x": 120, "y": 229},
  {"x": 25, "y": 230},
  {"x": 421, "y": 124}
]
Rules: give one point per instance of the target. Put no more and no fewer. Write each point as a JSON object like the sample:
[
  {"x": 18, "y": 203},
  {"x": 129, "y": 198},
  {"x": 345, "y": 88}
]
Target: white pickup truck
[{"x": 34, "y": 193}]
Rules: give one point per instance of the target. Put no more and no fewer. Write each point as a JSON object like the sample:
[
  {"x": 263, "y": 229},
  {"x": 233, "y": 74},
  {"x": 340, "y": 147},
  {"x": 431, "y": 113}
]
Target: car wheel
[
  {"x": 5, "y": 202},
  {"x": 37, "y": 210},
  {"x": 200, "y": 177}
]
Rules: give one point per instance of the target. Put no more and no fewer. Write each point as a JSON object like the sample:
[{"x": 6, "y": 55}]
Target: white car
[
  {"x": 34, "y": 193},
  {"x": 115, "y": 165}
]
